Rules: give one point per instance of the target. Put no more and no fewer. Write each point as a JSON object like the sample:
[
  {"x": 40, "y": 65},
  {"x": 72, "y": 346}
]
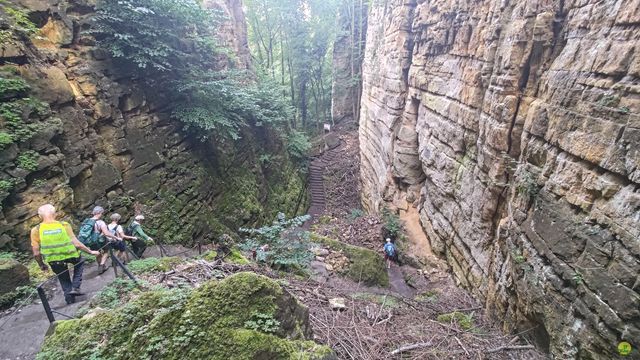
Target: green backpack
[{"x": 88, "y": 234}]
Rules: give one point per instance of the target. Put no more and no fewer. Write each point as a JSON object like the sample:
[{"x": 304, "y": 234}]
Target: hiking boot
[
  {"x": 76, "y": 292},
  {"x": 69, "y": 300},
  {"x": 103, "y": 268}
]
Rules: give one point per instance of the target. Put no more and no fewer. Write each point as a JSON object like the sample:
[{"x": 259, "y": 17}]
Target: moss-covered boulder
[
  {"x": 365, "y": 265},
  {"x": 212, "y": 322}
]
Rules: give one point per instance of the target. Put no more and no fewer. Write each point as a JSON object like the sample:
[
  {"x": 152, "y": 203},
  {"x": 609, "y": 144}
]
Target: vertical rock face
[
  {"x": 513, "y": 127},
  {"x": 348, "y": 52},
  {"x": 103, "y": 140}
]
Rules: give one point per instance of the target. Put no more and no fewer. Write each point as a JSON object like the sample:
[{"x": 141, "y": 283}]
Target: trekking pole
[{"x": 124, "y": 269}]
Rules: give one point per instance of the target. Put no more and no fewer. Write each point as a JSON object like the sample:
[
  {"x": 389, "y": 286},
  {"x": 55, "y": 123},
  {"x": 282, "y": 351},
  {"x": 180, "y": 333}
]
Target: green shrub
[
  {"x": 28, "y": 160},
  {"x": 298, "y": 145},
  {"x": 391, "y": 223},
  {"x": 286, "y": 249}
]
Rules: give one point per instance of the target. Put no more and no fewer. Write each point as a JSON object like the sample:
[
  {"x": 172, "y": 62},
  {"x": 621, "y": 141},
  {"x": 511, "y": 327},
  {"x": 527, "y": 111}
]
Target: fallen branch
[
  {"x": 510, "y": 347},
  {"x": 410, "y": 347}
]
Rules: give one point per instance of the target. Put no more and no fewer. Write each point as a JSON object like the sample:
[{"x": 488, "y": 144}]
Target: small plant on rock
[
  {"x": 28, "y": 160},
  {"x": 392, "y": 223},
  {"x": 265, "y": 323},
  {"x": 356, "y": 213}
]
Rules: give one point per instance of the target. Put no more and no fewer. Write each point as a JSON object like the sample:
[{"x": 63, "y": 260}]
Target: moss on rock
[
  {"x": 364, "y": 265},
  {"x": 207, "y": 323}
]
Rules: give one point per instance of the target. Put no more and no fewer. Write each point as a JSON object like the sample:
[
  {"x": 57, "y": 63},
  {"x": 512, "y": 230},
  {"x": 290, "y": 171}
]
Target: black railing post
[
  {"x": 45, "y": 304},
  {"x": 113, "y": 261},
  {"x": 199, "y": 247},
  {"x": 124, "y": 269}
]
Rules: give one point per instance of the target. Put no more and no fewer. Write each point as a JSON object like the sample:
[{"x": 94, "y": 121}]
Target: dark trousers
[
  {"x": 138, "y": 247},
  {"x": 60, "y": 269}
]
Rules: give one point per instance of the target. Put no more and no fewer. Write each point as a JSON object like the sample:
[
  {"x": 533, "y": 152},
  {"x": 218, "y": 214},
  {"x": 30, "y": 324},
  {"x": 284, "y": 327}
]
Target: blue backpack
[{"x": 390, "y": 249}]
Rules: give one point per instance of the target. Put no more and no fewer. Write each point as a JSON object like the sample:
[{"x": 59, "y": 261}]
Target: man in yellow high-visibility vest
[{"x": 54, "y": 242}]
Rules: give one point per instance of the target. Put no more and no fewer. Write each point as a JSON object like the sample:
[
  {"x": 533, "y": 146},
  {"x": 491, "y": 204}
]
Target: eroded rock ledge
[{"x": 513, "y": 128}]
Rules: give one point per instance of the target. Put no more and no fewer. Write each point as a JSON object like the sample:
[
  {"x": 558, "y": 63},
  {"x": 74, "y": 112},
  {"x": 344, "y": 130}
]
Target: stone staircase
[{"x": 316, "y": 182}]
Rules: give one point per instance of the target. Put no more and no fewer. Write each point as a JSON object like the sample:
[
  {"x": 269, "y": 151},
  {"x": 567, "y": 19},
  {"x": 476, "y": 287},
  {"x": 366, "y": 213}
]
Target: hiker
[
  {"x": 390, "y": 253},
  {"x": 116, "y": 230},
  {"x": 135, "y": 229},
  {"x": 54, "y": 242},
  {"x": 94, "y": 234}
]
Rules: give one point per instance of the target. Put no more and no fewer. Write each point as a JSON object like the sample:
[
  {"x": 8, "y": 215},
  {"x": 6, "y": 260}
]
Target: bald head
[{"x": 47, "y": 212}]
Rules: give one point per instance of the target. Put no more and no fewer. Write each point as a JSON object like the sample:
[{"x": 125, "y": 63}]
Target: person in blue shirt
[{"x": 390, "y": 253}]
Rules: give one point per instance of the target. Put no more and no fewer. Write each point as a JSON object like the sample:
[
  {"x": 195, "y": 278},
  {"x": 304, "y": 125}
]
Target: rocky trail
[
  {"x": 24, "y": 326},
  {"x": 422, "y": 314}
]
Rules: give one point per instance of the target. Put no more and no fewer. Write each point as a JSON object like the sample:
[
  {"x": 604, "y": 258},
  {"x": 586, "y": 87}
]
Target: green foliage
[
  {"x": 365, "y": 265},
  {"x": 20, "y": 296},
  {"x": 5, "y": 139},
  {"x": 12, "y": 87},
  {"x": 577, "y": 278},
  {"x": 224, "y": 102},
  {"x": 624, "y": 109},
  {"x": 279, "y": 245},
  {"x": 236, "y": 257},
  {"x": 17, "y": 22},
  {"x": 28, "y": 160},
  {"x": 391, "y": 222},
  {"x": 6, "y": 185},
  {"x": 298, "y": 145},
  {"x": 265, "y": 323},
  {"x": 356, "y": 213},
  {"x": 114, "y": 294},
  {"x": 517, "y": 256},
  {"x": 149, "y": 265},
  {"x": 465, "y": 321},
  {"x": 136, "y": 31}
]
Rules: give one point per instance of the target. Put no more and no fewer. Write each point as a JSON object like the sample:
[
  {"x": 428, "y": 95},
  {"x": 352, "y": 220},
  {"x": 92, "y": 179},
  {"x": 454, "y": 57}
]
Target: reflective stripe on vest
[{"x": 55, "y": 244}]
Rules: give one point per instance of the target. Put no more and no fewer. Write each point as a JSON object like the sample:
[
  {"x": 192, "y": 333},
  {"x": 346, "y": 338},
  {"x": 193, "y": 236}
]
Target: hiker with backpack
[
  {"x": 94, "y": 234},
  {"x": 135, "y": 229},
  {"x": 54, "y": 242},
  {"x": 116, "y": 230},
  {"x": 390, "y": 253}
]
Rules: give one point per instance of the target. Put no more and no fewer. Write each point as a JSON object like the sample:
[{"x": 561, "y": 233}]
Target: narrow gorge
[
  {"x": 494, "y": 143},
  {"x": 509, "y": 132}
]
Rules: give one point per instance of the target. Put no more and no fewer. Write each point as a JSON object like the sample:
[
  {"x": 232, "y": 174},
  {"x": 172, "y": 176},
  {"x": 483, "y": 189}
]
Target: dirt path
[{"x": 22, "y": 332}]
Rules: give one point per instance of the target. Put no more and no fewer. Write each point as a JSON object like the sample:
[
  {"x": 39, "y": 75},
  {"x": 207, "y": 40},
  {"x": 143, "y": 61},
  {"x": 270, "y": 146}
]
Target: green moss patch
[
  {"x": 465, "y": 321},
  {"x": 236, "y": 257},
  {"x": 206, "y": 323},
  {"x": 364, "y": 265}
]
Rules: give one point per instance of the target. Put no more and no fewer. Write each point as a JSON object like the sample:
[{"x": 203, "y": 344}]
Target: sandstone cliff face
[
  {"x": 513, "y": 127},
  {"x": 106, "y": 141}
]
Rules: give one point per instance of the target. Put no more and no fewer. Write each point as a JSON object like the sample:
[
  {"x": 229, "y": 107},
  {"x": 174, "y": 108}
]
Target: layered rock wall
[
  {"x": 513, "y": 127},
  {"x": 103, "y": 140}
]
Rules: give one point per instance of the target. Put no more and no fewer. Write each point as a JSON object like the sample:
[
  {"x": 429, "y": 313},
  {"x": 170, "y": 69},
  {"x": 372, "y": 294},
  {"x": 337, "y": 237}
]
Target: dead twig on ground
[{"x": 410, "y": 347}]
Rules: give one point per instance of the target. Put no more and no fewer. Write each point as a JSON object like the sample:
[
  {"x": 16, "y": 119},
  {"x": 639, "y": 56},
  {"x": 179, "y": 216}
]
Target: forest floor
[{"x": 422, "y": 315}]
